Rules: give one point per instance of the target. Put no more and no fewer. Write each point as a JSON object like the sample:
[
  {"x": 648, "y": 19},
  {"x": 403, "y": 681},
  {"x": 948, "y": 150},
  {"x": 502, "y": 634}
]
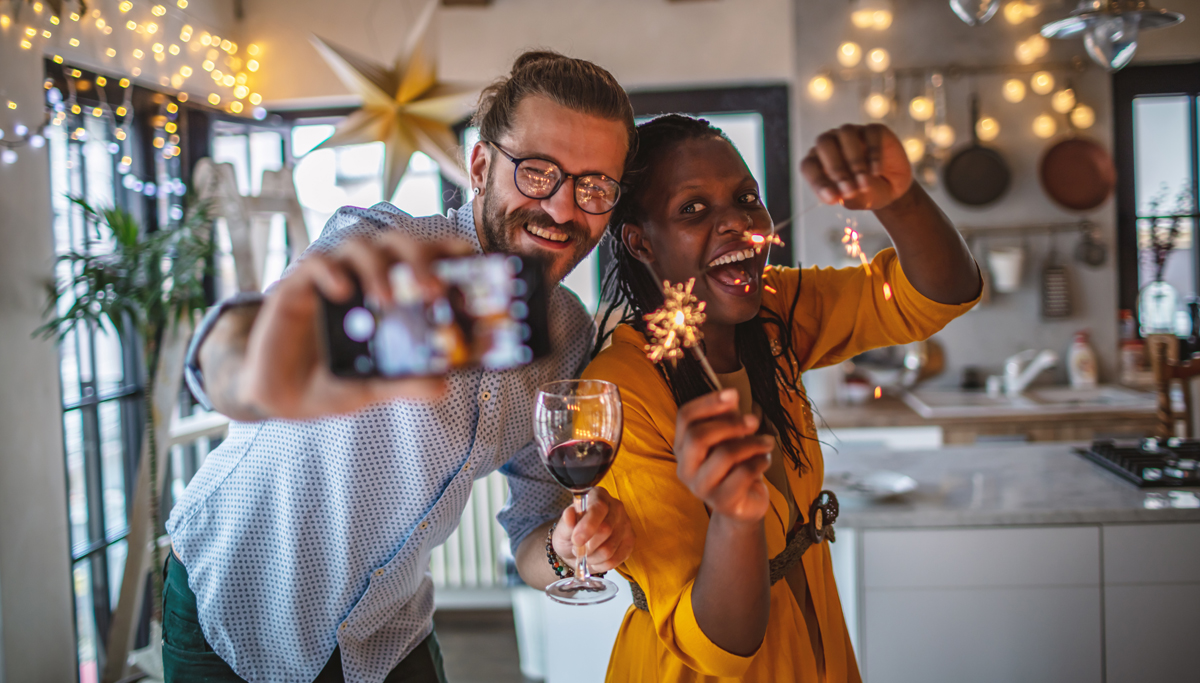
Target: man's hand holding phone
[{"x": 270, "y": 362}]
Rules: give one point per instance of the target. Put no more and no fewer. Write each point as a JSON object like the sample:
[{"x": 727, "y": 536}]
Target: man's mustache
[{"x": 541, "y": 219}]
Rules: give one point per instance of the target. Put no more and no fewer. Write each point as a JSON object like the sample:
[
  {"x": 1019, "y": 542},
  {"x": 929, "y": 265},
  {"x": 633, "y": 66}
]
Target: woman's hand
[
  {"x": 860, "y": 167},
  {"x": 721, "y": 459},
  {"x": 604, "y": 535}
]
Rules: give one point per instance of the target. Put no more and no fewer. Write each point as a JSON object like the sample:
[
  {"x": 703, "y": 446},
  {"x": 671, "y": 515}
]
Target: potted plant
[
  {"x": 1158, "y": 301},
  {"x": 149, "y": 285}
]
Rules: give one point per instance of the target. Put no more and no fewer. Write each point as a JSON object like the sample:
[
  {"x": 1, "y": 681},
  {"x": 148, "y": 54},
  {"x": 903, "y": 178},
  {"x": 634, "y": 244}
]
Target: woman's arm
[
  {"x": 722, "y": 460},
  {"x": 865, "y": 167}
]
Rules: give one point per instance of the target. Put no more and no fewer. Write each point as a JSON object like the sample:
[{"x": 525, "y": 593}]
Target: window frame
[{"x": 1127, "y": 85}]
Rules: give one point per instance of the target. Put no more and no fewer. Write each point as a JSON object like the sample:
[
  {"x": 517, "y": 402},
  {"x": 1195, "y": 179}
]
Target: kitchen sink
[{"x": 955, "y": 403}]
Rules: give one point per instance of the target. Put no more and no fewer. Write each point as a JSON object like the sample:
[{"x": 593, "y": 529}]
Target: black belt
[{"x": 821, "y": 516}]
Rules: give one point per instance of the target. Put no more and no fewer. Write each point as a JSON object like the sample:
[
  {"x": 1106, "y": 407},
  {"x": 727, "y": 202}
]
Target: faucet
[{"x": 1016, "y": 379}]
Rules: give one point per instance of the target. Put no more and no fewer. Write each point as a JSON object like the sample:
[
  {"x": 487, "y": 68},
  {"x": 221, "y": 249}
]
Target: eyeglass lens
[{"x": 538, "y": 179}]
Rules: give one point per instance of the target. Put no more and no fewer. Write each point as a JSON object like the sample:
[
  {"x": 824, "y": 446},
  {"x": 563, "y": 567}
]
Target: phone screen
[{"x": 493, "y": 315}]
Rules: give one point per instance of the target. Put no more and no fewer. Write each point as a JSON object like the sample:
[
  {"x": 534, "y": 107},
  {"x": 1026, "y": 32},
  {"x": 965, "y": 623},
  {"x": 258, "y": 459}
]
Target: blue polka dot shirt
[{"x": 299, "y": 537}]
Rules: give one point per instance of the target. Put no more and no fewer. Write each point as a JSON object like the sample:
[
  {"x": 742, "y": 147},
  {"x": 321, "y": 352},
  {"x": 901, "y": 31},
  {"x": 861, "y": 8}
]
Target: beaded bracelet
[{"x": 561, "y": 570}]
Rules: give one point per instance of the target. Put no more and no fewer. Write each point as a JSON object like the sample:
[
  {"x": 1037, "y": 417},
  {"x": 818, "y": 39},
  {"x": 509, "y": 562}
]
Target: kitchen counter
[
  {"x": 1045, "y": 425},
  {"x": 998, "y": 485}
]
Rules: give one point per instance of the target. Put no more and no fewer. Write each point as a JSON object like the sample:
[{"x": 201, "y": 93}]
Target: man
[{"x": 306, "y": 536}]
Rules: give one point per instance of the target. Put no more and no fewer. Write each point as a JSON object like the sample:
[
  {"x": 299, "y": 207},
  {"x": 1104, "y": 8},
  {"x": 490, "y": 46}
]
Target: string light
[
  {"x": 158, "y": 10},
  {"x": 1083, "y": 116},
  {"x": 5, "y": 21},
  {"x": 214, "y": 99},
  {"x": 252, "y": 65},
  {"x": 256, "y": 99},
  {"x": 942, "y": 135},
  {"x": 820, "y": 88},
  {"x": 987, "y": 128},
  {"x": 878, "y": 60},
  {"x": 877, "y": 106},
  {"x": 914, "y": 149},
  {"x": 921, "y": 108},
  {"x": 57, "y": 59},
  {"x": 1044, "y": 126},
  {"x": 1014, "y": 90},
  {"x": 54, "y": 20},
  {"x": 252, "y": 50},
  {"x": 1063, "y": 101},
  {"x": 101, "y": 81},
  {"x": 849, "y": 54},
  {"x": 1042, "y": 82}
]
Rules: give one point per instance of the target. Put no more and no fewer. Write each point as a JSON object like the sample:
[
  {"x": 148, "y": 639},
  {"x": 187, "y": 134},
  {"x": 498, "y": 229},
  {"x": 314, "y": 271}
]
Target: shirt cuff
[
  {"x": 705, "y": 656},
  {"x": 191, "y": 368}
]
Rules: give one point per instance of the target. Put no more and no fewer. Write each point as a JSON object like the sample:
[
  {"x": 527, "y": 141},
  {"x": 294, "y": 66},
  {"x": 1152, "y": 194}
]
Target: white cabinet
[
  {"x": 982, "y": 605},
  {"x": 1152, "y": 602}
]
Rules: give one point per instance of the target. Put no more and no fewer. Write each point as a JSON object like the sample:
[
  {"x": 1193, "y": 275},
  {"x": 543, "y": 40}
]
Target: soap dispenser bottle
[{"x": 1081, "y": 362}]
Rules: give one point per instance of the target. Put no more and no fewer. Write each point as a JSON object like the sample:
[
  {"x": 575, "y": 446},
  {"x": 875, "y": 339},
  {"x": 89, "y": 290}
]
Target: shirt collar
[{"x": 463, "y": 219}]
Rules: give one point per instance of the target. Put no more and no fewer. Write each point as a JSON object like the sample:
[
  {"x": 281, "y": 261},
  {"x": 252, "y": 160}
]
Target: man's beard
[{"x": 500, "y": 235}]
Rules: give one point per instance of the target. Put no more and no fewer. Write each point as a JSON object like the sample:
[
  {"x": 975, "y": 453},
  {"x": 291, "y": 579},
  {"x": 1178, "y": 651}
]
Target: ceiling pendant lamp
[
  {"x": 975, "y": 12},
  {"x": 1110, "y": 28}
]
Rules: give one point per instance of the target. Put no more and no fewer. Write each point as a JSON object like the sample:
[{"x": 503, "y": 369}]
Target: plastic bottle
[{"x": 1081, "y": 362}]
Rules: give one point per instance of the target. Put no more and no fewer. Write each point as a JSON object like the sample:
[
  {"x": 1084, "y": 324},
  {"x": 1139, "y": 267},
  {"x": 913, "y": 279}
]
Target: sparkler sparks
[
  {"x": 759, "y": 240},
  {"x": 676, "y": 325},
  {"x": 850, "y": 238}
]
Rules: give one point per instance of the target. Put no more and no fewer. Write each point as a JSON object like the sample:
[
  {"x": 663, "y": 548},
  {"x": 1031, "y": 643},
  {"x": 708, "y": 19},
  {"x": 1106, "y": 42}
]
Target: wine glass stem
[{"x": 581, "y": 568}]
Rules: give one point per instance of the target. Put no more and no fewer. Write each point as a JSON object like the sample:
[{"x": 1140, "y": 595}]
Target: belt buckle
[{"x": 822, "y": 514}]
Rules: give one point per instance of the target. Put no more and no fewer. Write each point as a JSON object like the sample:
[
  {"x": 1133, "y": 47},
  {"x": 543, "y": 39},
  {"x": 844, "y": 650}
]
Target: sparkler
[
  {"x": 676, "y": 326},
  {"x": 850, "y": 238}
]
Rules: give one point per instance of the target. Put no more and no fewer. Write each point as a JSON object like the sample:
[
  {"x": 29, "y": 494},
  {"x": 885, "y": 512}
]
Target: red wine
[{"x": 580, "y": 465}]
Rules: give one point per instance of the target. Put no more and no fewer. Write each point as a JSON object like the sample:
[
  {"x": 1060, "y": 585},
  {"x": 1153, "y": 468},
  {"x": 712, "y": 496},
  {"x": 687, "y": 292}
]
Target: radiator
[{"x": 473, "y": 556}]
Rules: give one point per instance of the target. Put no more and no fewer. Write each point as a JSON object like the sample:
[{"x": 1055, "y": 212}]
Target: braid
[{"x": 633, "y": 292}]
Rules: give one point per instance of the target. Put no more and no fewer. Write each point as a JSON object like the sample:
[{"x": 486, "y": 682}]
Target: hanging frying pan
[
  {"x": 976, "y": 175},
  {"x": 1077, "y": 174}
]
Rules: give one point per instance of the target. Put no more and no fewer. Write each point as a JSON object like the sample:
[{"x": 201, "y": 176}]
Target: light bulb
[
  {"x": 849, "y": 54},
  {"x": 878, "y": 60},
  {"x": 9, "y": 156},
  {"x": 942, "y": 135},
  {"x": 921, "y": 108},
  {"x": 1063, "y": 101},
  {"x": 1024, "y": 53},
  {"x": 863, "y": 18},
  {"x": 1083, "y": 116},
  {"x": 1044, "y": 126},
  {"x": 881, "y": 20},
  {"x": 1038, "y": 44},
  {"x": 820, "y": 88},
  {"x": 1111, "y": 41},
  {"x": 878, "y": 106},
  {"x": 1014, "y": 12},
  {"x": 37, "y": 141},
  {"x": 914, "y": 148},
  {"x": 975, "y": 12},
  {"x": 1014, "y": 90},
  {"x": 987, "y": 128},
  {"x": 1042, "y": 82}
]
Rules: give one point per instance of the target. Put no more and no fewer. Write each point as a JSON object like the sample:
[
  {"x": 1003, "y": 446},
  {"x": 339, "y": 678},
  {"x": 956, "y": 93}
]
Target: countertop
[
  {"x": 891, "y": 411},
  {"x": 997, "y": 485}
]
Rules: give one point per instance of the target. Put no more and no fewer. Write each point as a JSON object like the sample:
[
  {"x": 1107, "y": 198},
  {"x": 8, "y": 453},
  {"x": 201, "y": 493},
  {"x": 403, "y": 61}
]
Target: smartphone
[{"x": 494, "y": 315}]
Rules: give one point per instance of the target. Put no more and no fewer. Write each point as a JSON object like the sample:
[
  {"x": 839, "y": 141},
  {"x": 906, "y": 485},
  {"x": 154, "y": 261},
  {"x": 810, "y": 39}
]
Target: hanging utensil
[
  {"x": 1090, "y": 251},
  {"x": 1056, "y": 286},
  {"x": 976, "y": 175}
]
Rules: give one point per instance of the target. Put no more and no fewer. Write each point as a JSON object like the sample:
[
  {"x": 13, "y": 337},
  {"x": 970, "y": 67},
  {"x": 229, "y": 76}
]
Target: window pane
[
  {"x": 85, "y": 622},
  {"x": 69, "y": 368},
  {"x": 112, "y": 457},
  {"x": 116, "y": 570},
  {"x": 1177, "y": 269},
  {"x": 99, "y": 164},
  {"x": 110, "y": 365},
  {"x": 234, "y": 149},
  {"x": 76, "y": 478},
  {"x": 420, "y": 190},
  {"x": 1162, "y": 164},
  {"x": 266, "y": 154}
]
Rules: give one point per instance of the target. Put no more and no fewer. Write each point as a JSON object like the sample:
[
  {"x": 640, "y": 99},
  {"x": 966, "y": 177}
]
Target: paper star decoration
[{"x": 404, "y": 106}]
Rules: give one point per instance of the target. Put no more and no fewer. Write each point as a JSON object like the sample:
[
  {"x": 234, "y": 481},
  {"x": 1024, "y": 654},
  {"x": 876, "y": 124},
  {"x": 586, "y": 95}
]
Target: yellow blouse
[{"x": 840, "y": 313}]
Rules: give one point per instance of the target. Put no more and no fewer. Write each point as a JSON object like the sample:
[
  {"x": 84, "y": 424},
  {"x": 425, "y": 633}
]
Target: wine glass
[{"x": 577, "y": 425}]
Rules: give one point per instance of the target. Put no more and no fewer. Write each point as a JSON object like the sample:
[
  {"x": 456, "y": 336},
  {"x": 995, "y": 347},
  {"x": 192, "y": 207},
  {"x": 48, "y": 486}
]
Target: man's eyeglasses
[{"x": 595, "y": 193}]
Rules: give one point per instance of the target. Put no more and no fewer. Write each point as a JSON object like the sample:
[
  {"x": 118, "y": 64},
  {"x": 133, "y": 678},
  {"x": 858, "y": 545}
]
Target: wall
[
  {"x": 1010, "y": 322},
  {"x": 643, "y": 42},
  {"x": 37, "y": 642},
  {"x": 35, "y": 585}
]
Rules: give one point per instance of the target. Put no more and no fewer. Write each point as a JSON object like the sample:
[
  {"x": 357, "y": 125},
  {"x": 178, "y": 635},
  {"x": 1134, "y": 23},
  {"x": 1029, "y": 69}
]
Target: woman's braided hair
[{"x": 633, "y": 292}]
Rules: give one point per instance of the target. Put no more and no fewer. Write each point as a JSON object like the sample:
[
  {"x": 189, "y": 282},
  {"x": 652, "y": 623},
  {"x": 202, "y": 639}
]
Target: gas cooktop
[{"x": 1153, "y": 462}]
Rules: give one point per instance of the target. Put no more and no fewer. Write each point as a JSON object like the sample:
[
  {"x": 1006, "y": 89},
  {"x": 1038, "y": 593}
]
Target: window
[
  {"x": 1155, "y": 120},
  {"x": 108, "y": 159}
]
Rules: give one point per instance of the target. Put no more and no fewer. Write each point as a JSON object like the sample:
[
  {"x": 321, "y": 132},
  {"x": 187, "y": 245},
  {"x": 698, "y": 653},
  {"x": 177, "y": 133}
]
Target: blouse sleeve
[
  {"x": 669, "y": 523},
  {"x": 842, "y": 312}
]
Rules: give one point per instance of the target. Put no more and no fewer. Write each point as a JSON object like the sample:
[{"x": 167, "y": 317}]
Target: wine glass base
[{"x": 576, "y": 591}]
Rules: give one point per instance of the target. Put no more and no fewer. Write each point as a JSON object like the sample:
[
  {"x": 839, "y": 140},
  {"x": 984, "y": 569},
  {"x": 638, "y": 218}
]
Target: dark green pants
[{"x": 188, "y": 658}]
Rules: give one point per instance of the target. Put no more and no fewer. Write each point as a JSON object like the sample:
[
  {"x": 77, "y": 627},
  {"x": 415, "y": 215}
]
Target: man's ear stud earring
[{"x": 475, "y": 190}]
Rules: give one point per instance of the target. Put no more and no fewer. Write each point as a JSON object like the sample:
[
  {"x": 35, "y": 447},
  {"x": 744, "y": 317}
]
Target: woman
[{"x": 719, "y": 484}]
